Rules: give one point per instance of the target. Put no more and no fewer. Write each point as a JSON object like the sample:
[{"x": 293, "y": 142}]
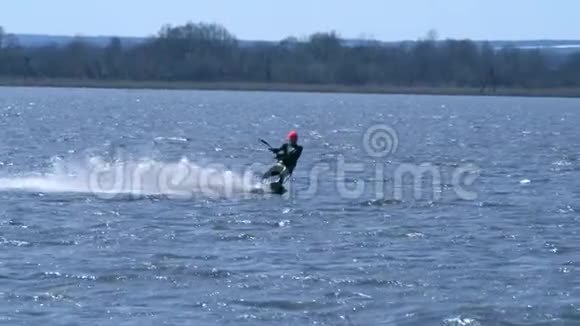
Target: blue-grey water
[{"x": 123, "y": 207}]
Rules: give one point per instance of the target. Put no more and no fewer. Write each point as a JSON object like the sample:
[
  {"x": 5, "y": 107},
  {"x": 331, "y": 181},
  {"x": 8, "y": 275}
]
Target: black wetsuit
[{"x": 288, "y": 154}]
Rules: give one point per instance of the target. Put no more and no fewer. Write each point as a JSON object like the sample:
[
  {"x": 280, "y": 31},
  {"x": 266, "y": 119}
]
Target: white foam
[
  {"x": 144, "y": 177},
  {"x": 175, "y": 139}
]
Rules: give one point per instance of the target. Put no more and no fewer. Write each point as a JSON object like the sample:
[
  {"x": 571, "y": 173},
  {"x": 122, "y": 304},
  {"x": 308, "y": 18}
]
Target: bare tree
[
  {"x": 1, "y": 37},
  {"x": 209, "y": 52}
]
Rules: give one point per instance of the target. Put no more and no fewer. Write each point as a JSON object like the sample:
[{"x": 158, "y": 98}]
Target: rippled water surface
[{"x": 139, "y": 208}]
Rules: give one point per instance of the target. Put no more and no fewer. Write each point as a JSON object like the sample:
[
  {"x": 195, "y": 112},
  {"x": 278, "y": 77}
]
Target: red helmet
[{"x": 293, "y": 136}]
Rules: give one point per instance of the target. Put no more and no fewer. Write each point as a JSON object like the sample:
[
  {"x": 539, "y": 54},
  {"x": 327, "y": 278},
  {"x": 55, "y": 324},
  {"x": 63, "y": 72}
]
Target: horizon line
[{"x": 109, "y": 36}]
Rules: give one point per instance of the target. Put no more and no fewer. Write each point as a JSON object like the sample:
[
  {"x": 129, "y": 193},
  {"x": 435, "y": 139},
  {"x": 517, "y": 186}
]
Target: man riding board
[{"x": 287, "y": 156}]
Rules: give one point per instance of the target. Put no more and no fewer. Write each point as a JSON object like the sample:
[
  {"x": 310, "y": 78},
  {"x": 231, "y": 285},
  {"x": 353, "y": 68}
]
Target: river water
[{"x": 135, "y": 207}]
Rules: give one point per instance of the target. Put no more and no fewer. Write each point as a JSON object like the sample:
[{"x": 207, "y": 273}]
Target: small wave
[
  {"x": 173, "y": 139},
  {"x": 500, "y": 192},
  {"x": 562, "y": 163},
  {"x": 496, "y": 204},
  {"x": 347, "y": 295},
  {"x": 285, "y": 305},
  {"x": 69, "y": 276},
  {"x": 117, "y": 278},
  {"x": 14, "y": 243},
  {"x": 169, "y": 256},
  {"x": 460, "y": 321},
  {"x": 239, "y": 237},
  {"x": 213, "y": 273},
  {"x": 13, "y": 223},
  {"x": 373, "y": 282},
  {"x": 63, "y": 243},
  {"x": 43, "y": 297},
  {"x": 382, "y": 202}
]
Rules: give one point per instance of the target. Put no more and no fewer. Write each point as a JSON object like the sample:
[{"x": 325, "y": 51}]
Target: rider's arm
[
  {"x": 278, "y": 150},
  {"x": 299, "y": 153}
]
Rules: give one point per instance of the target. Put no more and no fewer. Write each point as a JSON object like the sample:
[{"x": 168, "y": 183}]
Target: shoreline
[{"x": 283, "y": 87}]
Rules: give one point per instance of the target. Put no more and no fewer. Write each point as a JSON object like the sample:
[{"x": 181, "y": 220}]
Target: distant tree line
[{"x": 208, "y": 53}]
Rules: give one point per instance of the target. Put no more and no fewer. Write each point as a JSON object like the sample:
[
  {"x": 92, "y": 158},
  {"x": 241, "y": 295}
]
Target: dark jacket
[{"x": 288, "y": 155}]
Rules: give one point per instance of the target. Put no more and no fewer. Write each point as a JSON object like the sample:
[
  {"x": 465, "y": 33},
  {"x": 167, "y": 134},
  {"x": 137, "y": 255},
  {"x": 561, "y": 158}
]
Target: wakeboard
[
  {"x": 269, "y": 187},
  {"x": 277, "y": 188}
]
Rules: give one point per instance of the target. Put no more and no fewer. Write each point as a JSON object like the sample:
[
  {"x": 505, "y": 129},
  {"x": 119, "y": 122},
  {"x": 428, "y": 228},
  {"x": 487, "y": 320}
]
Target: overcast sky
[{"x": 273, "y": 20}]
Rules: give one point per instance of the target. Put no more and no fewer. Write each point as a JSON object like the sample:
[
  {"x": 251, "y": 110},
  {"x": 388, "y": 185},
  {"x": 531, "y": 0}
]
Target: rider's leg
[
  {"x": 284, "y": 174},
  {"x": 275, "y": 170}
]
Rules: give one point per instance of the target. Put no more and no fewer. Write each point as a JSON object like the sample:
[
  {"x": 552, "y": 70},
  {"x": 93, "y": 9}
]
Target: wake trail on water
[{"x": 143, "y": 177}]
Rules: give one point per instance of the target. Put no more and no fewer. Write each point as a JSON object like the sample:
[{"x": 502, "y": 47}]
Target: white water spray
[{"x": 144, "y": 177}]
